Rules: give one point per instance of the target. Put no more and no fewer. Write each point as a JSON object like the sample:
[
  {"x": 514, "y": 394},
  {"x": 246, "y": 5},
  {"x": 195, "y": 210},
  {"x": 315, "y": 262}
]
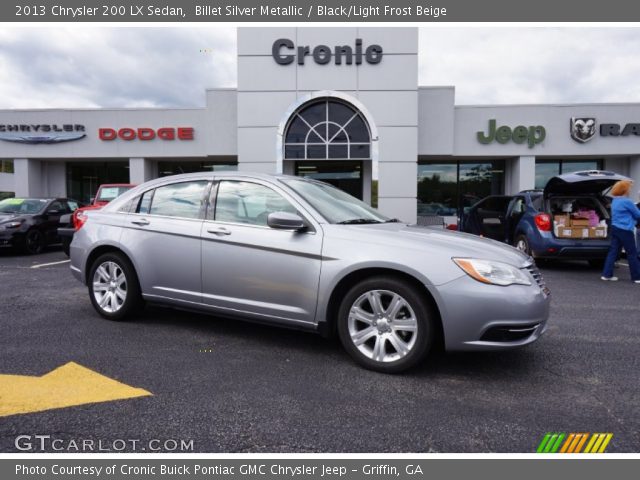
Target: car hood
[
  {"x": 432, "y": 241},
  {"x": 5, "y": 217},
  {"x": 582, "y": 183}
]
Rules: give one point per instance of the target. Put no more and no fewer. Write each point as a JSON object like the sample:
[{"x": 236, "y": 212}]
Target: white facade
[{"x": 408, "y": 123}]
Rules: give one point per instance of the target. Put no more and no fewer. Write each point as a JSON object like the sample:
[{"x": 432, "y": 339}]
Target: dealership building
[{"x": 338, "y": 104}]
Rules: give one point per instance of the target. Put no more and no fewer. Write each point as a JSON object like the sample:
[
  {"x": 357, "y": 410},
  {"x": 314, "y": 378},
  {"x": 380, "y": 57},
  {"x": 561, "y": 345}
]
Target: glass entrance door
[
  {"x": 83, "y": 179},
  {"x": 345, "y": 175}
]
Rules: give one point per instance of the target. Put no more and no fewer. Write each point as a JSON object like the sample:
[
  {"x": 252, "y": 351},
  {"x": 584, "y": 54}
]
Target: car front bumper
[
  {"x": 9, "y": 237},
  {"x": 477, "y": 316}
]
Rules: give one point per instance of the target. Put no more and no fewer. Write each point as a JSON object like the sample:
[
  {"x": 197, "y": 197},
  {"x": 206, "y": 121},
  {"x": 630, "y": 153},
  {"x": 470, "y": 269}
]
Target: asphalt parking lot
[{"x": 232, "y": 386}]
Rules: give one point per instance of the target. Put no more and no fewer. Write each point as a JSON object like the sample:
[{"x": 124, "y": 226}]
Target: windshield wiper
[{"x": 354, "y": 221}]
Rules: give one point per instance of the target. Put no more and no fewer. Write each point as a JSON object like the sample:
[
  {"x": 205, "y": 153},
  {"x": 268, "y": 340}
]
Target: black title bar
[{"x": 301, "y": 11}]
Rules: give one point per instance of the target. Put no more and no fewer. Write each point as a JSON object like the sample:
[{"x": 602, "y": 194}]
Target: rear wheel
[
  {"x": 113, "y": 286},
  {"x": 385, "y": 325},
  {"x": 522, "y": 244},
  {"x": 33, "y": 242},
  {"x": 66, "y": 244}
]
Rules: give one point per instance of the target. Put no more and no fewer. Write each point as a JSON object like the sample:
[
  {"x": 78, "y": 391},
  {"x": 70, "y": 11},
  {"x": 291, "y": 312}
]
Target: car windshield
[
  {"x": 22, "y": 205},
  {"x": 335, "y": 205},
  {"x": 106, "y": 194}
]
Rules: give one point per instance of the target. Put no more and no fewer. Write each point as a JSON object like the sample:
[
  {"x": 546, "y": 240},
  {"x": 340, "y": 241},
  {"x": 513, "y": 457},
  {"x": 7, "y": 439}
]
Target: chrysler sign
[{"x": 46, "y": 133}]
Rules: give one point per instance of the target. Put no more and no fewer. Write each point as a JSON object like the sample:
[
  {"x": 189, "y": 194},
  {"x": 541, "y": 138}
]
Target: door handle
[
  {"x": 142, "y": 222},
  {"x": 219, "y": 231}
]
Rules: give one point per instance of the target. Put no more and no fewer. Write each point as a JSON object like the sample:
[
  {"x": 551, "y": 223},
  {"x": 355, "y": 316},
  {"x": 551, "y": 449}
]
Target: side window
[
  {"x": 145, "y": 202},
  {"x": 73, "y": 205},
  {"x": 183, "y": 199},
  {"x": 518, "y": 206},
  {"x": 56, "y": 206},
  {"x": 249, "y": 203}
]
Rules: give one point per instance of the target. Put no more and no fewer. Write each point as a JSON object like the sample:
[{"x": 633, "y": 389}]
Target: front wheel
[
  {"x": 385, "y": 324},
  {"x": 113, "y": 286},
  {"x": 34, "y": 242}
]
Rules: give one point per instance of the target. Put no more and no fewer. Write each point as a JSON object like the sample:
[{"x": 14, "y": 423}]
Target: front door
[{"x": 251, "y": 269}]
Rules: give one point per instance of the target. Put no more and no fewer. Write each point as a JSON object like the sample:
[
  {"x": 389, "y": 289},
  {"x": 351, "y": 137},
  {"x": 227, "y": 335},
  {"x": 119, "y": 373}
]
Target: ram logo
[{"x": 582, "y": 129}]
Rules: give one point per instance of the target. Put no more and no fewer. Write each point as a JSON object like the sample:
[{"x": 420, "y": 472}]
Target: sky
[{"x": 171, "y": 67}]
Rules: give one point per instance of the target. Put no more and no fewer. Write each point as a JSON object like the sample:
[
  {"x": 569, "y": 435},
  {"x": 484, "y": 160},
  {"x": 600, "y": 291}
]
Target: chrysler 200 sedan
[{"x": 303, "y": 254}]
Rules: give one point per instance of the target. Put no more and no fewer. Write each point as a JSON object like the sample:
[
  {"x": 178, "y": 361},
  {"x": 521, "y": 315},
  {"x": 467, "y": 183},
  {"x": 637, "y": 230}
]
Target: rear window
[
  {"x": 537, "y": 202},
  {"x": 106, "y": 194}
]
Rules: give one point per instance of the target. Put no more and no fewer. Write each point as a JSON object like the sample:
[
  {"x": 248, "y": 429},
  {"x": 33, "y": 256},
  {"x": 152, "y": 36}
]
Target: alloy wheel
[
  {"x": 109, "y": 286},
  {"x": 382, "y": 325}
]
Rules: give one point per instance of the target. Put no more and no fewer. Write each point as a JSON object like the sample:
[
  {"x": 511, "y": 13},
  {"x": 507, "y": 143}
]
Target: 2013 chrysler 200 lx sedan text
[{"x": 303, "y": 254}]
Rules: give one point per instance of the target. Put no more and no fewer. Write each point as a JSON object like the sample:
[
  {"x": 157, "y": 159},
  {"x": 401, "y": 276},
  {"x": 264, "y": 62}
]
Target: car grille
[{"x": 537, "y": 276}]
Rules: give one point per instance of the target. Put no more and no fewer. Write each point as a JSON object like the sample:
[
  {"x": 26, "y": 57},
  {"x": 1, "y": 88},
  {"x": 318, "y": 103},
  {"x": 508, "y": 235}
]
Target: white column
[
  {"x": 141, "y": 170},
  {"x": 634, "y": 174},
  {"x": 367, "y": 177},
  {"x": 54, "y": 179},
  {"x": 28, "y": 177},
  {"x": 521, "y": 174}
]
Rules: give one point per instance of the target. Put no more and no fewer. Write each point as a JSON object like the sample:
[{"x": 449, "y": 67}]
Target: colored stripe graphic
[{"x": 552, "y": 442}]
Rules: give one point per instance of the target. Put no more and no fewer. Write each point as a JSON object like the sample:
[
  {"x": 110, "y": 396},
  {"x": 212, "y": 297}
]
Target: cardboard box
[
  {"x": 564, "y": 232},
  {"x": 579, "y": 222},
  {"x": 572, "y": 232},
  {"x": 562, "y": 220},
  {"x": 598, "y": 232}
]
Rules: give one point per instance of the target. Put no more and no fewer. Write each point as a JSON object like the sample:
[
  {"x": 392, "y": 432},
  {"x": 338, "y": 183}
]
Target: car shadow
[
  {"x": 12, "y": 252},
  {"x": 437, "y": 363}
]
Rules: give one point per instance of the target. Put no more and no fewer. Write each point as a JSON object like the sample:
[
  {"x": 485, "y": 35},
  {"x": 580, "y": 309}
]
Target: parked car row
[{"x": 30, "y": 224}]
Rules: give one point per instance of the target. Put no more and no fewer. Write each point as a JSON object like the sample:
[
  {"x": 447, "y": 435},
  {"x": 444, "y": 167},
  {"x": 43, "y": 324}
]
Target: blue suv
[{"x": 529, "y": 219}]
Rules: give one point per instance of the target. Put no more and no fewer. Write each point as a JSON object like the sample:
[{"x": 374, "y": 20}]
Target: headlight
[
  {"x": 10, "y": 225},
  {"x": 489, "y": 271}
]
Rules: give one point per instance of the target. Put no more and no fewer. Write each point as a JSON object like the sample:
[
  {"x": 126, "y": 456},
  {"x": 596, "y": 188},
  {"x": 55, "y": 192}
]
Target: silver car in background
[{"x": 303, "y": 254}]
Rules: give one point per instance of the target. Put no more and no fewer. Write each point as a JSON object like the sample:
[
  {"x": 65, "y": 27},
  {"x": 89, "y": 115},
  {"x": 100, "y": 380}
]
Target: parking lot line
[{"x": 50, "y": 264}]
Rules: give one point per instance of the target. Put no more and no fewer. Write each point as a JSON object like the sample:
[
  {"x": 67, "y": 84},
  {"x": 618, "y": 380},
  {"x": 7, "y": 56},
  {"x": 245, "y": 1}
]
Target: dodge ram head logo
[{"x": 582, "y": 129}]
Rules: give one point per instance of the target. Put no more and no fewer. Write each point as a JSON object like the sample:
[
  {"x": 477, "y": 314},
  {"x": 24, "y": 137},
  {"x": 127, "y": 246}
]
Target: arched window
[{"x": 327, "y": 129}]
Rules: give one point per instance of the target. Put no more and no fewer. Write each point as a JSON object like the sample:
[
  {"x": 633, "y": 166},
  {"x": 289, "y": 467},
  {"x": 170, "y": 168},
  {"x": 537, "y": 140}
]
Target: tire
[
  {"x": 596, "y": 263},
  {"x": 113, "y": 286},
  {"x": 386, "y": 346},
  {"x": 522, "y": 243},
  {"x": 66, "y": 244},
  {"x": 33, "y": 242}
]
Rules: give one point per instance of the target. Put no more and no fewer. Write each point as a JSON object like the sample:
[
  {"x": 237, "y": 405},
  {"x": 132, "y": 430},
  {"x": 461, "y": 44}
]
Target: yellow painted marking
[
  {"x": 607, "y": 439},
  {"x": 567, "y": 442},
  {"x": 66, "y": 386},
  {"x": 596, "y": 446},
  {"x": 592, "y": 440}
]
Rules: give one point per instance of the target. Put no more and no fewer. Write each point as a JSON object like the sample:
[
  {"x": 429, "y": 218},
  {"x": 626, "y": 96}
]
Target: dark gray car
[{"x": 303, "y": 254}]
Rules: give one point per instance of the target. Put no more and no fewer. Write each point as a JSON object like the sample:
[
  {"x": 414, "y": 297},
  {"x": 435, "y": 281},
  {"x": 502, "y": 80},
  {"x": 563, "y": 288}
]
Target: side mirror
[{"x": 285, "y": 221}]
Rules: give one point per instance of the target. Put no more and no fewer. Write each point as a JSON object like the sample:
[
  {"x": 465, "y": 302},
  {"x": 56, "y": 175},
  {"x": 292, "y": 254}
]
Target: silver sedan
[{"x": 303, "y": 254}]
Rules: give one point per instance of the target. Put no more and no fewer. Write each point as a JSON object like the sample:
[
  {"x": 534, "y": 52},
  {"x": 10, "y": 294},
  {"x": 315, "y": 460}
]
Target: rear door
[
  {"x": 250, "y": 268},
  {"x": 162, "y": 236}
]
